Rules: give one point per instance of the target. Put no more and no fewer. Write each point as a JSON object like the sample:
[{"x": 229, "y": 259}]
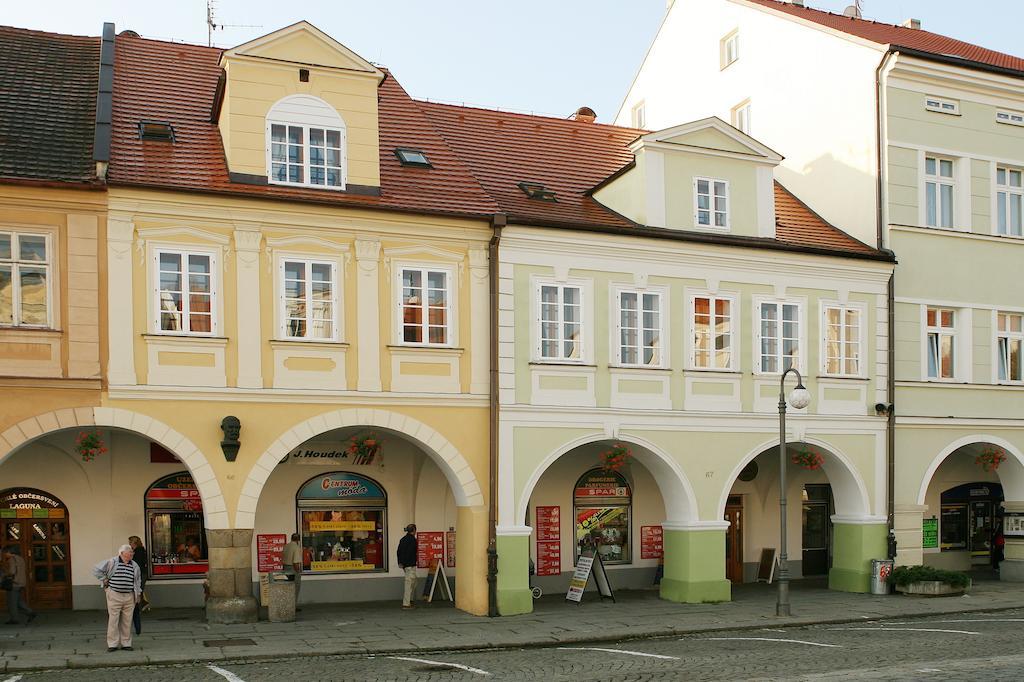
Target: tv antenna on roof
[{"x": 212, "y": 25}]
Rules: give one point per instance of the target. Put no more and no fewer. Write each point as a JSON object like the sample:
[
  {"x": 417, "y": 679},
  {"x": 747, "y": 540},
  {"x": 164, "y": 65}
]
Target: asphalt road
[{"x": 967, "y": 647}]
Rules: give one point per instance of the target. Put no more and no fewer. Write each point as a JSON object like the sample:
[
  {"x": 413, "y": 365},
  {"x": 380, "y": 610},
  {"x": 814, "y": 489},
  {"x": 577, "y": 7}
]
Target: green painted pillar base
[
  {"x": 854, "y": 546},
  {"x": 695, "y": 565},
  {"x": 514, "y": 596}
]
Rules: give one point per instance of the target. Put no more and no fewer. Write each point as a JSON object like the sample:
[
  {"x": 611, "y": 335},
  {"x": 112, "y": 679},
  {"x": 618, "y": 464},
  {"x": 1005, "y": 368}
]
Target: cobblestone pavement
[
  {"x": 172, "y": 636},
  {"x": 934, "y": 648}
]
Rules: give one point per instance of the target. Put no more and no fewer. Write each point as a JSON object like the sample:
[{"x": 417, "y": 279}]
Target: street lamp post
[{"x": 799, "y": 399}]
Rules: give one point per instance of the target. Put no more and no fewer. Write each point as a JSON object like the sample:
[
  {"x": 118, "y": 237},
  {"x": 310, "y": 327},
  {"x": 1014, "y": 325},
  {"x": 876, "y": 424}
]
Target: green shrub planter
[{"x": 929, "y": 582}]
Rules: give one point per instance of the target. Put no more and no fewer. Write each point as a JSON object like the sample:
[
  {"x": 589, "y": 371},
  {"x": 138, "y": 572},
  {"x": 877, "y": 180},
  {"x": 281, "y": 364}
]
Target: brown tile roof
[
  {"x": 48, "y": 86},
  {"x": 796, "y": 223},
  {"x": 902, "y": 36}
]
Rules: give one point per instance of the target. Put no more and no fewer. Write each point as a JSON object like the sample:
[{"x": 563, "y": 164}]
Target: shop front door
[
  {"x": 817, "y": 529},
  {"x": 734, "y": 541},
  {"x": 45, "y": 545}
]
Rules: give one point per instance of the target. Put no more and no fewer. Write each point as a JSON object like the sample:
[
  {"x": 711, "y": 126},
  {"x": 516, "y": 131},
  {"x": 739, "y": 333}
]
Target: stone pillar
[
  {"x": 479, "y": 379},
  {"x": 695, "y": 563},
  {"x": 120, "y": 325},
  {"x": 250, "y": 335},
  {"x": 1012, "y": 568},
  {"x": 855, "y": 542},
  {"x": 471, "y": 560},
  {"x": 230, "y": 576},
  {"x": 513, "y": 544},
  {"x": 368, "y": 314},
  {"x": 907, "y": 522}
]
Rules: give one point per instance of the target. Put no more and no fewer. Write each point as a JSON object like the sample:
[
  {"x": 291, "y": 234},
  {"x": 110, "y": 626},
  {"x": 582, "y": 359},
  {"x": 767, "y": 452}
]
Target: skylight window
[
  {"x": 160, "y": 131},
  {"x": 412, "y": 157},
  {"x": 535, "y": 190}
]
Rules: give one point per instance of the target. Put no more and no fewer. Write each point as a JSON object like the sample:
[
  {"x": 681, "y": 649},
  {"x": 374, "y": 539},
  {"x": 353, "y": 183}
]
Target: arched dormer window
[{"x": 306, "y": 144}]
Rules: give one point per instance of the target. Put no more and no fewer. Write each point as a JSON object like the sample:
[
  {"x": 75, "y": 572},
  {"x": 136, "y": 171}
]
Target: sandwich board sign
[
  {"x": 766, "y": 569},
  {"x": 587, "y": 565},
  {"x": 434, "y": 576}
]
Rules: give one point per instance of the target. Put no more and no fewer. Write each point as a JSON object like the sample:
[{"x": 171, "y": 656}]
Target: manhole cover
[{"x": 228, "y": 642}]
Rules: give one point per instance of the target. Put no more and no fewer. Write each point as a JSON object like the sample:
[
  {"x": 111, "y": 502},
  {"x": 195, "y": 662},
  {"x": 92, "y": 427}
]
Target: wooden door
[
  {"x": 45, "y": 545},
  {"x": 734, "y": 543}
]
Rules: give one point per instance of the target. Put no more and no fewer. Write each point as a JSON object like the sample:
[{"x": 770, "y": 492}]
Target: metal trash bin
[
  {"x": 280, "y": 598},
  {"x": 881, "y": 569}
]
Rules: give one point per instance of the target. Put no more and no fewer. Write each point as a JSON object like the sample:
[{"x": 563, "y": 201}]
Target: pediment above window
[{"x": 304, "y": 43}]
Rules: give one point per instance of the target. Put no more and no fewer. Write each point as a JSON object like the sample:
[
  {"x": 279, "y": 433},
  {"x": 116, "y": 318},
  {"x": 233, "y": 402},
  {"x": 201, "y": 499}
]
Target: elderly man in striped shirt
[{"x": 122, "y": 582}]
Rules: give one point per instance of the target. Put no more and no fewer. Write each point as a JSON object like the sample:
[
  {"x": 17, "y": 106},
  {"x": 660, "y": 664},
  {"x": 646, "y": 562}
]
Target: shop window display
[
  {"x": 175, "y": 533},
  {"x": 342, "y": 518},
  {"x": 602, "y": 506}
]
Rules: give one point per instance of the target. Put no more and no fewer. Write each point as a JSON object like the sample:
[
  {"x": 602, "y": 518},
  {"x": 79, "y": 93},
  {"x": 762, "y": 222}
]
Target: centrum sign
[{"x": 341, "y": 484}]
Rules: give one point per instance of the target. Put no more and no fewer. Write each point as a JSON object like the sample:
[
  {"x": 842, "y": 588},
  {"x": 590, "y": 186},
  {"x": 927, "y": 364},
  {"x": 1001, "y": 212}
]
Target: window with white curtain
[
  {"x": 941, "y": 323},
  {"x": 939, "y": 190},
  {"x": 842, "y": 327},
  {"x": 1009, "y": 342},
  {"x": 309, "y": 299},
  {"x": 1009, "y": 201},
  {"x": 639, "y": 327}
]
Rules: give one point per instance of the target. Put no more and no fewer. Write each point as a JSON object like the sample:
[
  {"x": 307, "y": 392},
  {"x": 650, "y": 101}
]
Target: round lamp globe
[{"x": 800, "y": 398}]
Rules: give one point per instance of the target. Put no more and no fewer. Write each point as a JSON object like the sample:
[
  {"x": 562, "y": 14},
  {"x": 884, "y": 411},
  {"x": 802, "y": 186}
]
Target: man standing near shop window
[
  {"x": 292, "y": 560},
  {"x": 407, "y": 552}
]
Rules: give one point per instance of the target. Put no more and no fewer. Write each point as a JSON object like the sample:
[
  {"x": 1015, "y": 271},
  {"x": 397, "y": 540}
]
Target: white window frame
[
  {"x": 734, "y": 329},
  {"x": 1009, "y": 117},
  {"x": 615, "y": 344},
  {"x": 15, "y": 263},
  {"x": 306, "y": 127},
  {"x": 862, "y": 312},
  {"x": 939, "y": 181},
  {"x": 452, "y": 295},
  {"x": 282, "y": 318},
  {"x": 939, "y": 331},
  {"x": 711, "y": 204},
  {"x": 584, "y": 354},
  {"x": 729, "y": 49},
  {"x": 742, "y": 115},
  {"x": 1005, "y": 202},
  {"x": 998, "y": 351},
  {"x": 639, "y": 115},
  {"x": 215, "y": 300},
  {"x": 801, "y": 359},
  {"x": 942, "y": 105}
]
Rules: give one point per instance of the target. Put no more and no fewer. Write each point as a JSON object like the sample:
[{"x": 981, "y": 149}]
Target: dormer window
[
  {"x": 306, "y": 144},
  {"x": 711, "y": 203}
]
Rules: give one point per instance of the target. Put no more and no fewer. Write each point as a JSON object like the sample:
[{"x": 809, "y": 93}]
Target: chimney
[
  {"x": 912, "y": 23},
  {"x": 798, "y": 3},
  {"x": 585, "y": 114}
]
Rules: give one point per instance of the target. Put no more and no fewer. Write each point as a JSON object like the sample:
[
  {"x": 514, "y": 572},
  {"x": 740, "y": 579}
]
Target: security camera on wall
[{"x": 882, "y": 408}]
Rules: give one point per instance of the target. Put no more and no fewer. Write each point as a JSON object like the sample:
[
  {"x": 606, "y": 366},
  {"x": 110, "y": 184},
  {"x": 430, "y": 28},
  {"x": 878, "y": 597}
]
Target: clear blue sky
[{"x": 547, "y": 56}]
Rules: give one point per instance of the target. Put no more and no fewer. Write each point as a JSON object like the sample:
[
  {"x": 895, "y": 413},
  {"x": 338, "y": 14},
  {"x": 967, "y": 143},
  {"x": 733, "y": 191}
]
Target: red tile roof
[
  {"x": 479, "y": 156},
  {"x": 901, "y": 36},
  {"x": 48, "y": 86}
]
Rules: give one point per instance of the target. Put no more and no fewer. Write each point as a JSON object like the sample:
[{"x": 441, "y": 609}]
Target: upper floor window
[
  {"x": 779, "y": 332},
  {"x": 1015, "y": 118},
  {"x": 741, "y": 117},
  {"x": 942, "y": 106},
  {"x": 711, "y": 202},
  {"x": 1009, "y": 341},
  {"x": 639, "y": 328},
  {"x": 561, "y": 322},
  {"x": 640, "y": 115},
  {"x": 1009, "y": 200},
  {"x": 306, "y": 143},
  {"x": 426, "y": 306},
  {"x": 713, "y": 333},
  {"x": 730, "y": 49},
  {"x": 939, "y": 188},
  {"x": 309, "y": 303},
  {"x": 185, "y": 291},
  {"x": 941, "y": 350},
  {"x": 842, "y": 340},
  {"x": 25, "y": 261}
]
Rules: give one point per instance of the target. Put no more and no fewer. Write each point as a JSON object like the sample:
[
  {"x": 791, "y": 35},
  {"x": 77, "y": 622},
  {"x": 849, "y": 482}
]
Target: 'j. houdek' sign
[{"x": 324, "y": 454}]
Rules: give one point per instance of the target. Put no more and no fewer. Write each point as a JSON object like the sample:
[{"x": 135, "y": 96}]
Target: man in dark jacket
[
  {"x": 140, "y": 557},
  {"x": 407, "y": 561}
]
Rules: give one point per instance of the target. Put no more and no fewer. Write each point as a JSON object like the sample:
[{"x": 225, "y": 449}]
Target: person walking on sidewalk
[
  {"x": 122, "y": 581},
  {"x": 140, "y": 557},
  {"x": 407, "y": 551},
  {"x": 292, "y": 560},
  {"x": 12, "y": 568}
]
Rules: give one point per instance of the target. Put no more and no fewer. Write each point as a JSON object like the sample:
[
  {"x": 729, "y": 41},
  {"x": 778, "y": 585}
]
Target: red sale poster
[
  {"x": 429, "y": 547},
  {"x": 450, "y": 548},
  {"x": 548, "y": 523},
  {"x": 549, "y": 557},
  {"x": 651, "y": 542},
  {"x": 269, "y": 552}
]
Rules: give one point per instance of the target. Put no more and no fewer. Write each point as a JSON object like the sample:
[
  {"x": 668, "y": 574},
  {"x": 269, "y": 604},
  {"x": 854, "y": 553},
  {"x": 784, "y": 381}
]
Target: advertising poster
[
  {"x": 270, "y": 551},
  {"x": 548, "y": 522},
  {"x": 578, "y": 583},
  {"x": 1013, "y": 524},
  {"x": 429, "y": 547},
  {"x": 549, "y": 557},
  {"x": 449, "y": 539},
  {"x": 651, "y": 545},
  {"x": 930, "y": 533}
]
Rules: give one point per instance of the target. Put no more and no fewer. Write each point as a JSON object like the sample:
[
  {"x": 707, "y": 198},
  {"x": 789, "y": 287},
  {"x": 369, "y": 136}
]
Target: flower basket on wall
[
  {"x": 365, "y": 449},
  {"x": 808, "y": 459},
  {"x": 990, "y": 458},
  {"x": 616, "y": 457},
  {"x": 88, "y": 444}
]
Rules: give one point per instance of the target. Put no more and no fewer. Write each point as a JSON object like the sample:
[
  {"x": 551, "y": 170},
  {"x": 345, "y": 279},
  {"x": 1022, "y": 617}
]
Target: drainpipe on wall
[{"x": 498, "y": 221}]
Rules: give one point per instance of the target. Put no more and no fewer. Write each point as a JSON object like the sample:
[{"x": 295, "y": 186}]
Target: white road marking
[
  {"x": 345, "y": 622},
  {"x": 772, "y": 630},
  {"x": 467, "y": 668},
  {"x": 929, "y": 670},
  {"x": 226, "y": 674},
  {"x": 952, "y": 632},
  {"x": 769, "y": 639},
  {"x": 13, "y": 679},
  {"x": 618, "y": 651},
  {"x": 982, "y": 620}
]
